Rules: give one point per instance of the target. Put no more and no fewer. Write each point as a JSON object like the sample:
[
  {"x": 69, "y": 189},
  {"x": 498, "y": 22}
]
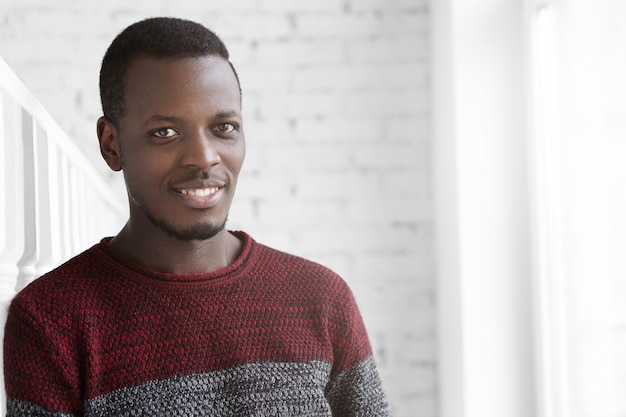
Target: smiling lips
[
  {"x": 200, "y": 192},
  {"x": 201, "y": 198}
]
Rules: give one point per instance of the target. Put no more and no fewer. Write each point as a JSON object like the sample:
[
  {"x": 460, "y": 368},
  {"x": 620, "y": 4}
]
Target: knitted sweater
[{"x": 270, "y": 335}]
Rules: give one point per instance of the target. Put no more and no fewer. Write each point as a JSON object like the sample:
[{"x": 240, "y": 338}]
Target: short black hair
[{"x": 160, "y": 37}]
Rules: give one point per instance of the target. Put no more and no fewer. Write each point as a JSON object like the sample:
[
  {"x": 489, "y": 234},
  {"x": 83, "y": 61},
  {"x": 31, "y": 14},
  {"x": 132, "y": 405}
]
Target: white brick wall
[{"x": 336, "y": 102}]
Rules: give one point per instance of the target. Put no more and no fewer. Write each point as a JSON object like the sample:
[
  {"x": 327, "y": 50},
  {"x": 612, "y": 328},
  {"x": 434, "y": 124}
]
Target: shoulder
[
  {"x": 296, "y": 269},
  {"x": 65, "y": 283},
  {"x": 301, "y": 281}
]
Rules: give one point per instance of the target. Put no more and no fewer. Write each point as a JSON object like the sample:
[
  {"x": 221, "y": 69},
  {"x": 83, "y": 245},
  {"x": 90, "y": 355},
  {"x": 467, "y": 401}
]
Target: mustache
[{"x": 201, "y": 179}]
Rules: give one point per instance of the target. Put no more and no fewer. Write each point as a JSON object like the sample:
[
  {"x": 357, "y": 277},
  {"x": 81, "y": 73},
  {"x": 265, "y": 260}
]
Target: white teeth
[{"x": 200, "y": 192}]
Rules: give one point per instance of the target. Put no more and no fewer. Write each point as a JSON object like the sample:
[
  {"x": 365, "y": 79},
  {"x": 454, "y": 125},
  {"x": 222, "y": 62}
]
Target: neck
[{"x": 165, "y": 253}]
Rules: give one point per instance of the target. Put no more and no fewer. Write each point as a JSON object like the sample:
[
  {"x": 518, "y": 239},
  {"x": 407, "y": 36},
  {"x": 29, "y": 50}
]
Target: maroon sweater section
[{"x": 99, "y": 323}]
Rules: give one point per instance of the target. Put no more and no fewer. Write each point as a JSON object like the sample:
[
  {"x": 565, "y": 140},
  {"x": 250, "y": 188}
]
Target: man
[{"x": 176, "y": 315}]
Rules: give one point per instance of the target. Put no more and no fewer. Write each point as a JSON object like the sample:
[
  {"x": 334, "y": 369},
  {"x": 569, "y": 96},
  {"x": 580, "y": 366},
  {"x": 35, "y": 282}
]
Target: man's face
[{"x": 180, "y": 144}]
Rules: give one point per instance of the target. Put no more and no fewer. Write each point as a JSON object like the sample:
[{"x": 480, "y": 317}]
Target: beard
[{"x": 200, "y": 231}]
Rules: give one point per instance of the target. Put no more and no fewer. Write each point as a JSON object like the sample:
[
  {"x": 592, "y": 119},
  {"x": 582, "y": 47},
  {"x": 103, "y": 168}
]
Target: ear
[{"x": 109, "y": 143}]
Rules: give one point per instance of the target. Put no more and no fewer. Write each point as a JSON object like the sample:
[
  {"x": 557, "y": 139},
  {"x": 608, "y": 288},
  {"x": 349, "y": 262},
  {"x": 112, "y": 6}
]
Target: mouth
[
  {"x": 200, "y": 192},
  {"x": 201, "y": 198}
]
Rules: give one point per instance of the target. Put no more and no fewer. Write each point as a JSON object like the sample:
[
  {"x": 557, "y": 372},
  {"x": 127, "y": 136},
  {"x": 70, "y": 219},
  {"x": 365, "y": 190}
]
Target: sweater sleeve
[
  {"x": 355, "y": 388},
  {"x": 40, "y": 369}
]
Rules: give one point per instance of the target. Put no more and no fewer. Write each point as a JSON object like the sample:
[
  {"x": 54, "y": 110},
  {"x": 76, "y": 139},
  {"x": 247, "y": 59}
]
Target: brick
[
  {"x": 410, "y": 129},
  {"x": 418, "y": 405},
  {"x": 241, "y": 56},
  {"x": 337, "y": 78},
  {"x": 330, "y": 130},
  {"x": 264, "y": 80},
  {"x": 404, "y": 269},
  {"x": 399, "y": 49},
  {"x": 390, "y": 156},
  {"x": 363, "y": 25},
  {"x": 365, "y": 241},
  {"x": 347, "y": 78},
  {"x": 265, "y": 26},
  {"x": 409, "y": 185},
  {"x": 386, "y": 5},
  {"x": 300, "y": 6},
  {"x": 294, "y": 52},
  {"x": 326, "y": 186},
  {"x": 264, "y": 187},
  {"x": 204, "y": 8},
  {"x": 337, "y": 25},
  {"x": 390, "y": 103},
  {"x": 293, "y": 106},
  {"x": 264, "y": 136}
]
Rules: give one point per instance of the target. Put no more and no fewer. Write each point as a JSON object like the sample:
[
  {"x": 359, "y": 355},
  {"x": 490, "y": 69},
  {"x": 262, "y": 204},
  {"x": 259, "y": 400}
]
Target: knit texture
[{"x": 270, "y": 335}]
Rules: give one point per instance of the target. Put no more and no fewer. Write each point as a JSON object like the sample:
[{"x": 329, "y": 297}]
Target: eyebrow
[
  {"x": 161, "y": 118},
  {"x": 174, "y": 119},
  {"x": 227, "y": 114}
]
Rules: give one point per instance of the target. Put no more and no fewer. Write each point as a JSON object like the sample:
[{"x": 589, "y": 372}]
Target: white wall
[
  {"x": 483, "y": 248},
  {"x": 337, "y": 107},
  {"x": 589, "y": 92},
  {"x": 529, "y": 182}
]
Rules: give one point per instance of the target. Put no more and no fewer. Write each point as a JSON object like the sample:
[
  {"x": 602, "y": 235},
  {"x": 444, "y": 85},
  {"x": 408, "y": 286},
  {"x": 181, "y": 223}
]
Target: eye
[
  {"x": 224, "y": 128},
  {"x": 165, "y": 133}
]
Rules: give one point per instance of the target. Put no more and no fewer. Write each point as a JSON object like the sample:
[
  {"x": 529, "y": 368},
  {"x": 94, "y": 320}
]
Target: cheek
[
  {"x": 139, "y": 172},
  {"x": 237, "y": 158}
]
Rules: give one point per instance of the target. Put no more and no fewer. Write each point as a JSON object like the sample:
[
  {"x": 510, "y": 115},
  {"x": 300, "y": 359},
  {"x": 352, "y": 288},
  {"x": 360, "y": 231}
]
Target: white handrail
[{"x": 53, "y": 203}]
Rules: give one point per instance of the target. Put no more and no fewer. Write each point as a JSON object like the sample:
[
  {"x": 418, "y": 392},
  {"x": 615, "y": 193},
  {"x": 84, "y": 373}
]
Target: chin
[{"x": 200, "y": 231}]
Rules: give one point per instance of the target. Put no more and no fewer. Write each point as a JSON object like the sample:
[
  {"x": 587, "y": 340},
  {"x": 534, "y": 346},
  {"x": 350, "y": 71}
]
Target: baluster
[
  {"x": 44, "y": 184},
  {"x": 65, "y": 218},
  {"x": 47, "y": 205},
  {"x": 86, "y": 227},
  {"x": 75, "y": 197},
  {"x": 11, "y": 217},
  {"x": 11, "y": 199},
  {"x": 26, "y": 264}
]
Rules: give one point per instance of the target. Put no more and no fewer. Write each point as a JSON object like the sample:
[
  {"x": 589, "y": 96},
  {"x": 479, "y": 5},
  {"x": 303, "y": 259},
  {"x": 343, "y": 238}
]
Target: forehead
[{"x": 162, "y": 81}]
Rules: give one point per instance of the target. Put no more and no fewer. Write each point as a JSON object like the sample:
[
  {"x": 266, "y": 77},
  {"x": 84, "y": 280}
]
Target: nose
[{"x": 199, "y": 150}]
